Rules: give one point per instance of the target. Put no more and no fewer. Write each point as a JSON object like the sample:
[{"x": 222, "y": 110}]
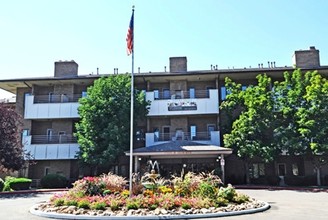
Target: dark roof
[{"x": 178, "y": 146}]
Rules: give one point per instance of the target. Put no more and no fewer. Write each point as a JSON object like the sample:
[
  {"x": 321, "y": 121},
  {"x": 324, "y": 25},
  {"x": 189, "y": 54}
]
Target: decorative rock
[
  {"x": 163, "y": 211},
  {"x": 130, "y": 212},
  {"x": 157, "y": 211},
  {"x": 204, "y": 211}
]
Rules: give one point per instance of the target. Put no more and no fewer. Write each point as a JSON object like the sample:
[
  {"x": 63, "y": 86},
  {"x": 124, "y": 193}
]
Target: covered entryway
[{"x": 177, "y": 156}]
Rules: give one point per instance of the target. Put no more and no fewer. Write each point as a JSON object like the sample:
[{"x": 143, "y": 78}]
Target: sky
[{"x": 228, "y": 33}]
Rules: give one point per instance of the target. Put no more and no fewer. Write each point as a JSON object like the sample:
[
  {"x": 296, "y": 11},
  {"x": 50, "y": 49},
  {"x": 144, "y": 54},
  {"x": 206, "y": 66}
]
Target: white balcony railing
[
  {"x": 212, "y": 138},
  {"x": 49, "y": 110},
  {"x": 208, "y": 103},
  {"x": 50, "y": 151}
]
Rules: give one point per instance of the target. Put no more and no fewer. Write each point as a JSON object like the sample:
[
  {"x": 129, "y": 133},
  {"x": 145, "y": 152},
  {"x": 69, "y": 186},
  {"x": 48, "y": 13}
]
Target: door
[
  {"x": 210, "y": 128},
  {"x": 166, "y": 133},
  {"x": 281, "y": 169},
  {"x": 192, "y": 93},
  {"x": 49, "y": 135}
]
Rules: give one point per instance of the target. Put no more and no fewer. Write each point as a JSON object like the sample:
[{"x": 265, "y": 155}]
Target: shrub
[
  {"x": 206, "y": 190},
  {"x": 13, "y": 183},
  {"x": 185, "y": 206},
  {"x": 240, "y": 198},
  {"x": 134, "y": 202},
  {"x": 98, "y": 206},
  {"x": 2, "y": 183},
  {"x": 70, "y": 202},
  {"x": 89, "y": 186},
  {"x": 83, "y": 204},
  {"x": 227, "y": 193},
  {"x": 58, "y": 202},
  {"x": 53, "y": 181},
  {"x": 222, "y": 201}
]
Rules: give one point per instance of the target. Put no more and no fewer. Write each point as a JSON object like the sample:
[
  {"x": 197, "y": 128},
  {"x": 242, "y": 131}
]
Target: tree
[
  {"x": 303, "y": 110},
  {"x": 252, "y": 132},
  {"x": 104, "y": 129},
  {"x": 11, "y": 148}
]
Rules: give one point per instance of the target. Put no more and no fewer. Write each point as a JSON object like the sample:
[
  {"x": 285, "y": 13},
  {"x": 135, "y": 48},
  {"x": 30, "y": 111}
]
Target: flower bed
[{"x": 187, "y": 194}]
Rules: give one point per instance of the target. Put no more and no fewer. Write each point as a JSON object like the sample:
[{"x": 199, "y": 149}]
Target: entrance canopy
[{"x": 181, "y": 149}]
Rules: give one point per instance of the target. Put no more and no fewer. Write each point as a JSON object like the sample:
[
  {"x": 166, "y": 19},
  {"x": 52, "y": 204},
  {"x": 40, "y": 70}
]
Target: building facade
[{"x": 181, "y": 132}]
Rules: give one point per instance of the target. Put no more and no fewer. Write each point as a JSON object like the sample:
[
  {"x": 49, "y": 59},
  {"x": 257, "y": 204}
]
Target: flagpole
[{"x": 131, "y": 110}]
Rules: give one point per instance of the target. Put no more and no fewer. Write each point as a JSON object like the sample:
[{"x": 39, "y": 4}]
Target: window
[
  {"x": 46, "y": 170},
  {"x": 257, "y": 170},
  {"x": 26, "y": 132},
  {"x": 295, "y": 169},
  {"x": 223, "y": 93},
  {"x": 208, "y": 91},
  {"x": 25, "y": 95},
  {"x": 192, "y": 93},
  {"x": 193, "y": 130},
  {"x": 156, "y": 94},
  {"x": 84, "y": 94},
  {"x": 166, "y": 94}
]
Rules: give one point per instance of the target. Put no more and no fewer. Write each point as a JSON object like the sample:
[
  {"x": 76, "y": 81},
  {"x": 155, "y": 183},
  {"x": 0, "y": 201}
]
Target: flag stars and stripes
[{"x": 129, "y": 36}]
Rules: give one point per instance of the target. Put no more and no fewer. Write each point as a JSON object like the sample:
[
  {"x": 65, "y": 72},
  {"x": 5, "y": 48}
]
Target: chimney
[
  {"x": 66, "y": 68},
  {"x": 178, "y": 64},
  {"x": 307, "y": 58}
]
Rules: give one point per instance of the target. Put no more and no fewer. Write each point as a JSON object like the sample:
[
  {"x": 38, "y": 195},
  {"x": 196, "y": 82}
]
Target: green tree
[
  {"x": 11, "y": 148},
  {"x": 252, "y": 132},
  {"x": 302, "y": 101},
  {"x": 103, "y": 131}
]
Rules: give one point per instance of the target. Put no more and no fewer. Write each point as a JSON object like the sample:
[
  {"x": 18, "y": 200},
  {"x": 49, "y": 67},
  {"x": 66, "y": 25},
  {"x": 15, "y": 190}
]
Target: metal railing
[
  {"x": 187, "y": 136},
  {"x": 56, "y": 98},
  {"x": 53, "y": 139},
  {"x": 197, "y": 94}
]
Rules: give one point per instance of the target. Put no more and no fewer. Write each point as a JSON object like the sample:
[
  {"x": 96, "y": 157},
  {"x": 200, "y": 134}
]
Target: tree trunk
[{"x": 318, "y": 176}]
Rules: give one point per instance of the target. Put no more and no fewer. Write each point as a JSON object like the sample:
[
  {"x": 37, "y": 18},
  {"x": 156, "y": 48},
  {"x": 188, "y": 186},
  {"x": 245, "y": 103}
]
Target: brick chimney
[
  {"x": 306, "y": 58},
  {"x": 66, "y": 68},
  {"x": 178, "y": 64}
]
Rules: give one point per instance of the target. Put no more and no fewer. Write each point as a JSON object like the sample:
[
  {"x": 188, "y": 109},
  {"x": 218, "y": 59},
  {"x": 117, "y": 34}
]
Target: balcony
[
  {"x": 53, "y": 139},
  {"x": 212, "y": 138},
  {"x": 183, "y": 102},
  {"x": 55, "y": 147},
  {"x": 51, "y": 106}
]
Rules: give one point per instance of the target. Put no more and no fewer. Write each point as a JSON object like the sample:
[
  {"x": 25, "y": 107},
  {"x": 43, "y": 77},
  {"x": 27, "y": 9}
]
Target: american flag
[{"x": 129, "y": 36}]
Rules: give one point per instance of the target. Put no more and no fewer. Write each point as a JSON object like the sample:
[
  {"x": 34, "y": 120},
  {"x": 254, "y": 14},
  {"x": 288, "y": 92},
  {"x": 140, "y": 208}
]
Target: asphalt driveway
[{"x": 285, "y": 204}]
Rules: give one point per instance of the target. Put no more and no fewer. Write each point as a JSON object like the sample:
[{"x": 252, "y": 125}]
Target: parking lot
[{"x": 285, "y": 204}]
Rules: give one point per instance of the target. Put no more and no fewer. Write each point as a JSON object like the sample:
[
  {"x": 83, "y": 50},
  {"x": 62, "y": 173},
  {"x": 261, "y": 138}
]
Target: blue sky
[{"x": 227, "y": 33}]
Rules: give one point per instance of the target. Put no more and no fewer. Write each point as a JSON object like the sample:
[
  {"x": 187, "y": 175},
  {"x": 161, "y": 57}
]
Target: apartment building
[{"x": 182, "y": 130}]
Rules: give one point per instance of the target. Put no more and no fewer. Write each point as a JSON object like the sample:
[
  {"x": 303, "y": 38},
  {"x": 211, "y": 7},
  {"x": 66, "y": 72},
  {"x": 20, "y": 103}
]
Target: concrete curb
[
  {"x": 32, "y": 191},
  {"x": 306, "y": 189},
  {"x": 153, "y": 217}
]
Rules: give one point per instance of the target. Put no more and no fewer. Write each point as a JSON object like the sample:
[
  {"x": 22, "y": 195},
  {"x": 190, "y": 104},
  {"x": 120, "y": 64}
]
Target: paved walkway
[{"x": 285, "y": 204}]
